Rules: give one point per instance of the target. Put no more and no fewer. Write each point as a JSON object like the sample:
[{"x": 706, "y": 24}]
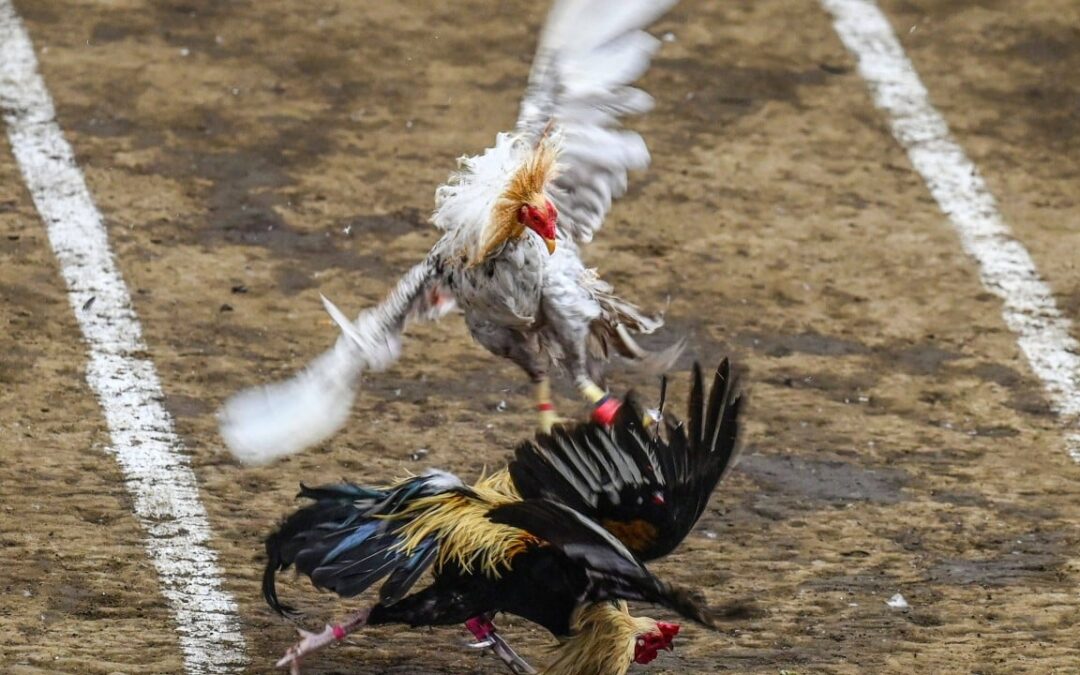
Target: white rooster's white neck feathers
[{"x": 478, "y": 205}]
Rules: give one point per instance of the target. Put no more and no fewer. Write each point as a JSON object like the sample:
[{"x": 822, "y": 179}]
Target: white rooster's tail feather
[
  {"x": 262, "y": 424},
  {"x": 611, "y": 332}
]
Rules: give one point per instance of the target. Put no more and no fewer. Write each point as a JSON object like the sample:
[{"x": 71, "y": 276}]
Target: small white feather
[{"x": 436, "y": 481}]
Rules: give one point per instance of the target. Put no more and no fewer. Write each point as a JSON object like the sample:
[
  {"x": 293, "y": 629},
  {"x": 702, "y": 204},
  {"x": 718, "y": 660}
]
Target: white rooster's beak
[{"x": 550, "y": 243}]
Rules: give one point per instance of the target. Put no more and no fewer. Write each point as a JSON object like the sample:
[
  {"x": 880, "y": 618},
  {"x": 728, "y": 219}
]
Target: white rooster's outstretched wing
[
  {"x": 579, "y": 88},
  {"x": 268, "y": 422},
  {"x": 589, "y": 54}
]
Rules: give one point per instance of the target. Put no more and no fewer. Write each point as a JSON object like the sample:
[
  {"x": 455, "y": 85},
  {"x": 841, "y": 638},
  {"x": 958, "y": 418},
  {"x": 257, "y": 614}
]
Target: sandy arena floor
[{"x": 250, "y": 154}]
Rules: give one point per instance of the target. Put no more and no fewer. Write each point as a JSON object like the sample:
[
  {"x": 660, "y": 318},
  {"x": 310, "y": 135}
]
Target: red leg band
[
  {"x": 604, "y": 412},
  {"x": 545, "y": 407},
  {"x": 339, "y": 633}
]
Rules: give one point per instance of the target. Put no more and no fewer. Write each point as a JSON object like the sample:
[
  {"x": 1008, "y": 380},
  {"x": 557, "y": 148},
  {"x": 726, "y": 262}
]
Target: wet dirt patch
[
  {"x": 386, "y": 226},
  {"x": 701, "y": 346},
  {"x": 917, "y": 359},
  {"x": 101, "y": 122},
  {"x": 831, "y": 482},
  {"x": 815, "y": 344},
  {"x": 870, "y": 583},
  {"x": 181, "y": 406},
  {"x": 715, "y": 96},
  {"x": 196, "y": 24},
  {"x": 998, "y": 373},
  {"x": 839, "y": 388},
  {"x": 960, "y": 498},
  {"x": 1005, "y": 570}
]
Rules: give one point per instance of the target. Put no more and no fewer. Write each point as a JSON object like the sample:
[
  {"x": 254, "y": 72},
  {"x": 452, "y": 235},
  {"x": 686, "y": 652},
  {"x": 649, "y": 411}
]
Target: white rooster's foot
[{"x": 548, "y": 419}]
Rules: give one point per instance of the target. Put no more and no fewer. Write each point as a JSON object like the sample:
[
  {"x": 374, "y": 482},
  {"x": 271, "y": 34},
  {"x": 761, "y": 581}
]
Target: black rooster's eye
[{"x": 658, "y": 498}]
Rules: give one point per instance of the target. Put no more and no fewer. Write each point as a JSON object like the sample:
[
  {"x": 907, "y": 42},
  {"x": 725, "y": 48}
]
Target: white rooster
[{"x": 513, "y": 219}]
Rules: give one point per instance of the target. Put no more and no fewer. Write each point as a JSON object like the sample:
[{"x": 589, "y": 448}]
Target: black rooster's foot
[
  {"x": 487, "y": 637},
  {"x": 311, "y": 642}
]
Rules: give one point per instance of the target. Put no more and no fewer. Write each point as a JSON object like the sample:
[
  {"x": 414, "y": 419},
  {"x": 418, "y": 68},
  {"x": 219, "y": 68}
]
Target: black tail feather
[
  {"x": 688, "y": 603},
  {"x": 298, "y": 531},
  {"x": 346, "y": 541}
]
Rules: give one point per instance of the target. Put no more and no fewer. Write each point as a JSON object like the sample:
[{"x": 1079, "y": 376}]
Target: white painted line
[
  {"x": 1005, "y": 266},
  {"x": 157, "y": 473}
]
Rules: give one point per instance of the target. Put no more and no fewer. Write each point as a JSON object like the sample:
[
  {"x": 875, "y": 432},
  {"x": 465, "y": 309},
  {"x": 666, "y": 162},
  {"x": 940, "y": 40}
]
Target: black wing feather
[
  {"x": 406, "y": 576},
  {"x": 648, "y": 488},
  {"x": 614, "y": 572},
  {"x": 571, "y": 532}
]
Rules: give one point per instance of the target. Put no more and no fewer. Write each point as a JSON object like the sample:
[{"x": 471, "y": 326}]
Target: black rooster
[{"x": 558, "y": 537}]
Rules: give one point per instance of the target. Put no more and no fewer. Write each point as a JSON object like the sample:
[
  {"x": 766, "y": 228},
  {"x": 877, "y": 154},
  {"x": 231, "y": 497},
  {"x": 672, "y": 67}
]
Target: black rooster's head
[{"x": 650, "y": 643}]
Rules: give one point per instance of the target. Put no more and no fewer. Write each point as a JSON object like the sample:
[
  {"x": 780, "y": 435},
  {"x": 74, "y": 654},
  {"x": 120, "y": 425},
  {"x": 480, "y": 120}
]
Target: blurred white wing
[
  {"x": 589, "y": 54},
  {"x": 262, "y": 424}
]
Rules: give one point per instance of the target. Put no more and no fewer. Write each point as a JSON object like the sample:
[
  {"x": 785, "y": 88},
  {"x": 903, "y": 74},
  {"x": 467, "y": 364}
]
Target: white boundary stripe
[
  {"x": 156, "y": 471},
  {"x": 1006, "y": 267}
]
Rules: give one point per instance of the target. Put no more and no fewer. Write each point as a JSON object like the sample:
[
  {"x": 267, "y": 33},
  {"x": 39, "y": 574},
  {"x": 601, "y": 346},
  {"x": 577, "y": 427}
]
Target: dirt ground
[{"x": 250, "y": 154}]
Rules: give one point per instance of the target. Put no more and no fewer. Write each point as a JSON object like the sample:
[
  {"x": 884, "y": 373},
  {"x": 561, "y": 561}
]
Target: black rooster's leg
[
  {"x": 314, "y": 641},
  {"x": 486, "y": 636},
  {"x": 515, "y": 663},
  {"x": 482, "y": 629}
]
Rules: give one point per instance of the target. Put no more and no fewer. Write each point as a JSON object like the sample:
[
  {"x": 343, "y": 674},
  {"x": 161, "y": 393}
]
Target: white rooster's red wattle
[{"x": 513, "y": 219}]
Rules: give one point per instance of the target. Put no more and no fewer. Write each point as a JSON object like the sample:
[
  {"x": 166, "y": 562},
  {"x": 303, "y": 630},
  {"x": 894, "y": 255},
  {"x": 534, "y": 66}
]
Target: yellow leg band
[
  {"x": 543, "y": 391},
  {"x": 548, "y": 418},
  {"x": 592, "y": 392}
]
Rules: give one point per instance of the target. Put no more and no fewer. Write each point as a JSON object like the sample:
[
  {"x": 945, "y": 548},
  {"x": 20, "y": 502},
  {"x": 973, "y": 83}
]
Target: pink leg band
[
  {"x": 480, "y": 627},
  {"x": 339, "y": 632}
]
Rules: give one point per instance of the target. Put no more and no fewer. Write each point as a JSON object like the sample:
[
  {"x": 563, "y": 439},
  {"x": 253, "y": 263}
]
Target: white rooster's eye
[{"x": 641, "y": 642}]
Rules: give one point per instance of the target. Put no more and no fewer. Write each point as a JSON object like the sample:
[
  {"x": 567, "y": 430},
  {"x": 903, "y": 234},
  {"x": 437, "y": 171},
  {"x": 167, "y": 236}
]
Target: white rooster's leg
[
  {"x": 604, "y": 404},
  {"x": 544, "y": 407},
  {"x": 314, "y": 641},
  {"x": 524, "y": 350},
  {"x": 573, "y": 336}
]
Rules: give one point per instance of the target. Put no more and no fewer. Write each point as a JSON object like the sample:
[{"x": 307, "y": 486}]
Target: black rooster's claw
[{"x": 515, "y": 663}]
